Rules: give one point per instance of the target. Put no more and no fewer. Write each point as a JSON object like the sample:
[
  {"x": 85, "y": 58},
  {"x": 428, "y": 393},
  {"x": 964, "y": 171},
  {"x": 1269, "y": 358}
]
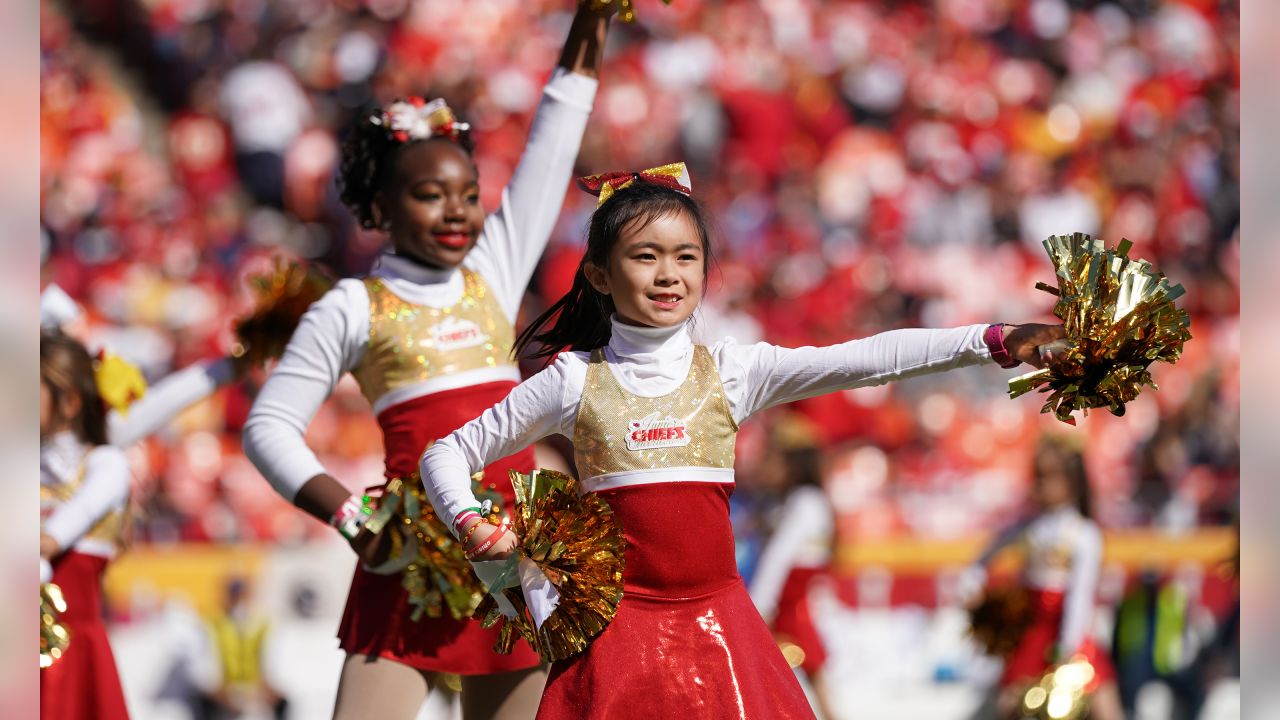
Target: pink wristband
[{"x": 994, "y": 338}]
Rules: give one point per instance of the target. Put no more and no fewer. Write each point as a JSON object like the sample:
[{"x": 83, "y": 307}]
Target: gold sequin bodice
[
  {"x": 109, "y": 529},
  {"x": 618, "y": 431},
  {"x": 411, "y": 343}
]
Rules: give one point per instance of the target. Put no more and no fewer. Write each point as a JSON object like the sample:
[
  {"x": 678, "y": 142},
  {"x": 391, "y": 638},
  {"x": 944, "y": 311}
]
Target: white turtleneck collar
[
  {"x": 60, "y": 457},
  {"x": 417, "y": 283},
  {"x": 392, "y": 266},
  {"x": 649, "y": 361}
]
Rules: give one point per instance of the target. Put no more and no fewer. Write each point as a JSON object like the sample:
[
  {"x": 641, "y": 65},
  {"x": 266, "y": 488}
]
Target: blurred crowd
[{"x": 870, "y": 165}]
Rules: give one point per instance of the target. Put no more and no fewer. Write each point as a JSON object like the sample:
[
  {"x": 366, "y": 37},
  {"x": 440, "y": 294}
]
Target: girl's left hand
[{"x": 1023, "y": 342}]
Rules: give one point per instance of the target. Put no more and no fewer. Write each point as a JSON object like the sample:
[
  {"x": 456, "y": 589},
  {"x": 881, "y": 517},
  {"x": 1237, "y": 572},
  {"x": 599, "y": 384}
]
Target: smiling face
[
  {"x": 656, "y": 271},
  {"x": 432, "y": 203}
]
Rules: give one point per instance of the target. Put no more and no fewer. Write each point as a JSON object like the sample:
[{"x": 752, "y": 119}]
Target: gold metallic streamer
[
  {"x": 579, "y": 546},
  {"x": 283, "y": 296},
  {"x": 1062, "y": 693},
  {"x": 54, "y": 636},
  {"x": 626, "y": 10},
  {"x": 1119, "y": 317},
  {"x": 440, "y": 579}
]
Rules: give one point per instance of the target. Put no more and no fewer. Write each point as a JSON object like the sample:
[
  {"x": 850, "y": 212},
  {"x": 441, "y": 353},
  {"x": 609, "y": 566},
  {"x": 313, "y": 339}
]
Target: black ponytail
[{"x": 581, "y": 319}]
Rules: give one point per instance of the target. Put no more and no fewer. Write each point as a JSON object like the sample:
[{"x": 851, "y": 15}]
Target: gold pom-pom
[
  {"x": 54, "y": 636},
  {"x": 1062, "y": 694},
  {"x": 440, "y": 578},
  {"x": 626, "y": 10},
  {"x": 577, "y": 543},
  {"x": 282, "y": 297},
  {"x": 120, "y": 383},
  {"x": 1119, "y": 317},
  {"x": 998, "y": 622}
]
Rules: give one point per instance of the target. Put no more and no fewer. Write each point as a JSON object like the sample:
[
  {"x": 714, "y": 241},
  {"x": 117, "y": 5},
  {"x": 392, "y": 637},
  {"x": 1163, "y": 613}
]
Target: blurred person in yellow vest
[{"x": 238, "y": 638}]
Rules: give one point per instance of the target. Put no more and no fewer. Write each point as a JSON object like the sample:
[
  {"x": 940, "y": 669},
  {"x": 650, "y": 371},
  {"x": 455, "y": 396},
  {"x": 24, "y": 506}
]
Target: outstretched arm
[
  {"x": 762, "y": 375},
  {"x": 167, "y": 398}
]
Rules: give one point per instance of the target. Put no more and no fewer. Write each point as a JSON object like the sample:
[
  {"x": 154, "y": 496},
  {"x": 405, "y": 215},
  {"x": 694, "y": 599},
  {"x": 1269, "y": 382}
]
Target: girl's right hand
[
  {"x": 372, "y": 549},
  {"x": 501, "y": 550}
]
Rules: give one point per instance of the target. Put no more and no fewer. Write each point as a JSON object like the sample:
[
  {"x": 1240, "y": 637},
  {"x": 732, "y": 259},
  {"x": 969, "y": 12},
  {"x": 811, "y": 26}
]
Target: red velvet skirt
[
  {"x": 794, "y": 622},
  {"x": 377, "y": 619},
  {"x": 83, "y": 684},
  {"x": 687, "y": 640},
  {"x": 1033, "y": 656}
]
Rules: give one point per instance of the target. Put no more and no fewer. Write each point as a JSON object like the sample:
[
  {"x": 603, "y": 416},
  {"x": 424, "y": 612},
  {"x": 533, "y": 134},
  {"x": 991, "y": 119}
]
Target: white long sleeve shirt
[
  {"x": 164, "y": 400},
  {"x": 1064, "y": 554},
  {"x": 333, "y": 335},
  {"x": 654, "y": 361},
  {"x": 104, "y": 489}
]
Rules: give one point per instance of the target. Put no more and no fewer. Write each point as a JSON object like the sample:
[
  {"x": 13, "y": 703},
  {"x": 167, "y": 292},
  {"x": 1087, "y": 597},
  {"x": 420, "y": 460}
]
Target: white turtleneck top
[
  {"x": 105, "y": 488},
  {"x": 1064, "y": 554},
  {"x": 651, "y": 362},
  {"x": 333, "y": 335}
]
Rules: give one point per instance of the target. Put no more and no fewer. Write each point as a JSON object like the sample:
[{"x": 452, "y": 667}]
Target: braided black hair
[{"x": 368, "y": 155}]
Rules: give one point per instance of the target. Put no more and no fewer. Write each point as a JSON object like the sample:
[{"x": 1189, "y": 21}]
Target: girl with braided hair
[{"x": 428, "y": 335}]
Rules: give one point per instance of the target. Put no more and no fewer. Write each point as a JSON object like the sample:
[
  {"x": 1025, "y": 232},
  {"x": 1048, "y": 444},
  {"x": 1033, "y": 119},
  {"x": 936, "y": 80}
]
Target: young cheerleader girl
[
  {"x": 653, "y": 418},
  {"x": 428, "y": 336},
  {"x": 84, "y": 488},
  {"x": 1063, "y": 549},
  {"x": 798, "y": 553}
]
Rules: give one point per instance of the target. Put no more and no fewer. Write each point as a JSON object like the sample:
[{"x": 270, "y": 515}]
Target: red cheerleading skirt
[
  {"x": 687, "y": 640},
  {"x": 377, "y": 619},
  {"x": 794, "y": 622},
  {"x": 83, "y": 684},
  {"x": 1033, "y": 656}
]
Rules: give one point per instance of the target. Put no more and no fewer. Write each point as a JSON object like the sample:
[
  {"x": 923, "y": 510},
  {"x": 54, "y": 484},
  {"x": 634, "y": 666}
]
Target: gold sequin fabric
[
  {"x": 618, "y": 431},
  {"x": 411, "y": 343}
]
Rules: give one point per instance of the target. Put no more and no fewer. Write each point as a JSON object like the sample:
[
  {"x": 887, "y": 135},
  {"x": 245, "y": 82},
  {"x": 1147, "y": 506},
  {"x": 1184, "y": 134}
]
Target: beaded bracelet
[
  {"x": 471, "y": 531},
  {"x": 463, "y": 518}
]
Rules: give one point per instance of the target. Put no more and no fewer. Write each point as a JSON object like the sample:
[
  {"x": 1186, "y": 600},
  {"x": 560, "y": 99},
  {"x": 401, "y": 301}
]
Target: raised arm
[
  {"x": 532, "y": 411},
  {"x": 329, "y": 341},
  {"x": 516, "y": 234},
  {"x": 167, "y": 398},
  {"x": 105, "y": 488}
]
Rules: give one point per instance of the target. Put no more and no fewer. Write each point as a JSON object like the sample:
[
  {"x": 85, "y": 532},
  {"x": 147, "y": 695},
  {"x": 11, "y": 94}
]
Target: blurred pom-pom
[
  {"x": 1119, "y": 317},
  {"x": 998, "y": 622},
  {"x": 1062, "y": 693},
  {"x": 54, "y": 636},
  {"x": 282, "y": 298}
]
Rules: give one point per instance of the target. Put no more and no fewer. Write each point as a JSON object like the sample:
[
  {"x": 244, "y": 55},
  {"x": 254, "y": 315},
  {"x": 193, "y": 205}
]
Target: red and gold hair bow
[
  {"x": 604, "y": 185},
  {"x": 416, "y": 119}
]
